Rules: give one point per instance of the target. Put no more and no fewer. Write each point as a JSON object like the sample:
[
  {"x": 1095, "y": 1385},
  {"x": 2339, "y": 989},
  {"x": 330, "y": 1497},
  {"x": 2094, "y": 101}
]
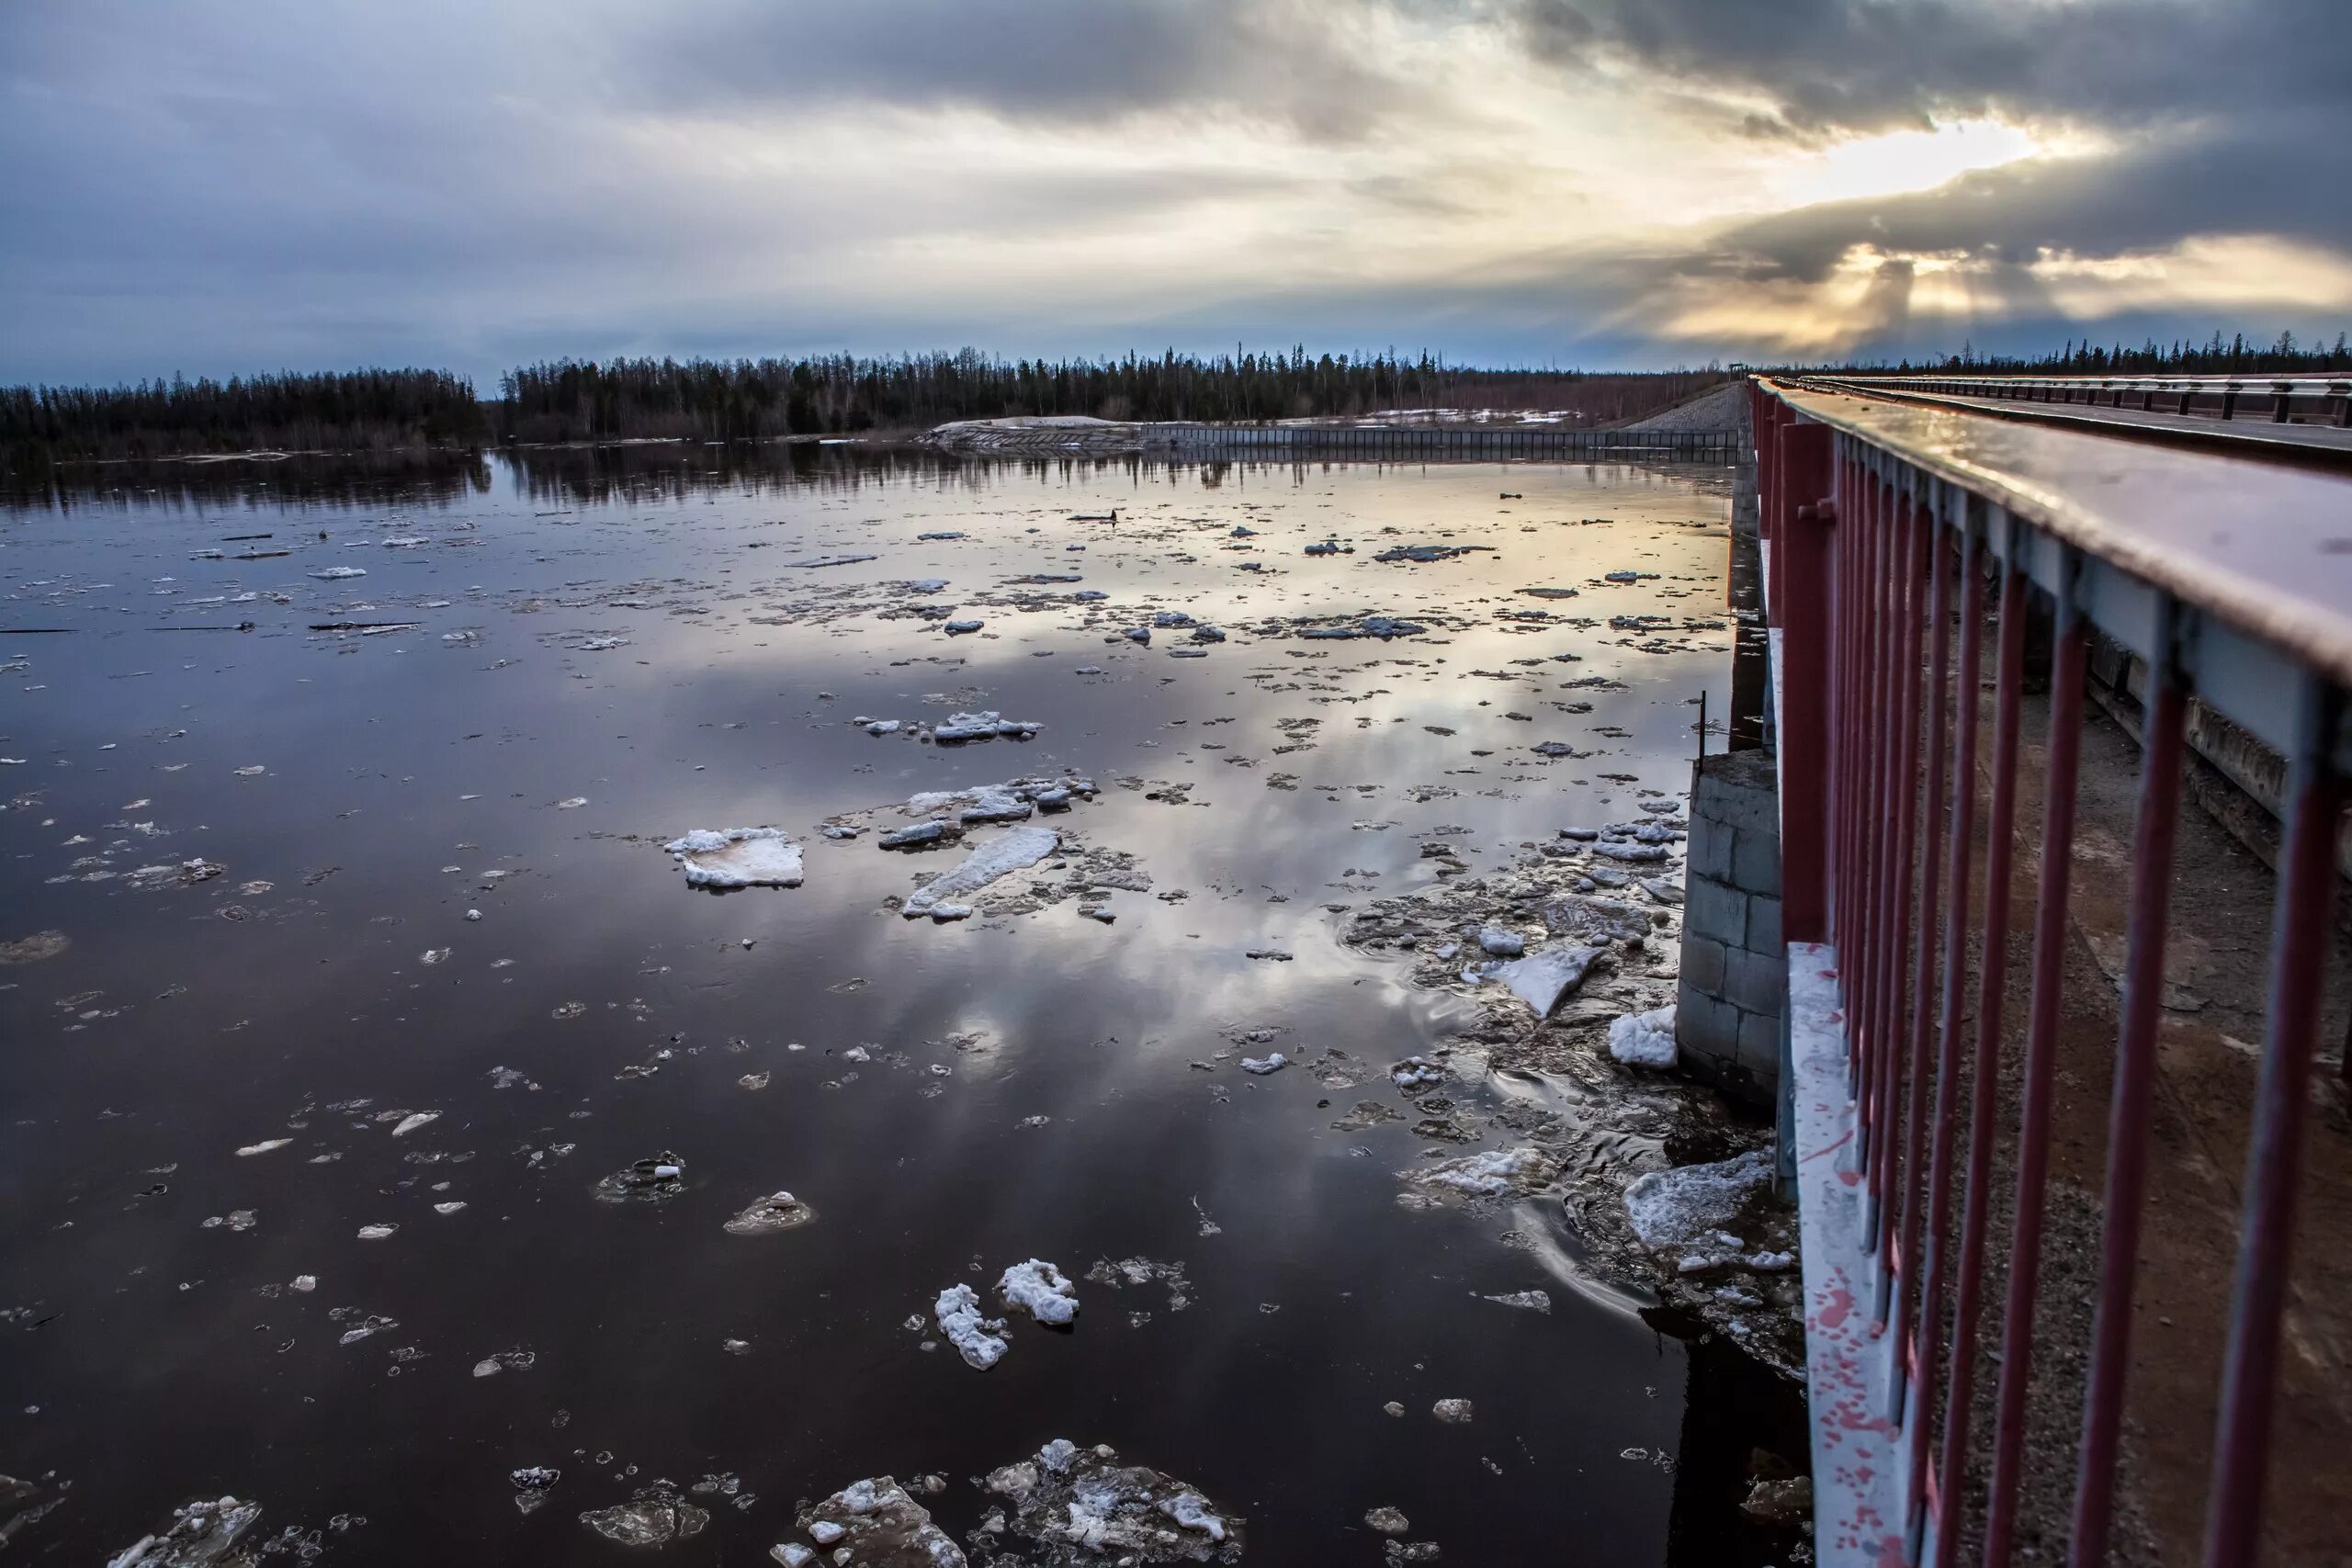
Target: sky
[{"x": 256, "y": 185}]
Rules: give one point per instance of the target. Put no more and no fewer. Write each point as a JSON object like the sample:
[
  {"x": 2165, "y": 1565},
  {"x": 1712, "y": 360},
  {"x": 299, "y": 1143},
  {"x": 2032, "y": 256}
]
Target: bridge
[{"x": 2074, "y": 1253}]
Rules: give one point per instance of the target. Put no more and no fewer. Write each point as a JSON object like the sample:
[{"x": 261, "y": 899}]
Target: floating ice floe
[
  {"x": 603, "y": 644},
  {"x": 738, "y": 857},
  {"x": 1542, "y": 977},
  {"x": 201, "y": 1533},
  {"x": 1644, "y": 1039},
  {"x": 1497, "y": 942},
  {"x": 871, "y": 1524},
  {"x": 1598, "y": 921},
  {"x": 262, "y": 1148},
  {"x": 337, "y": 573},
  {"x": 663, "y": 1176},
  {"x": 1487, "y": 1174},
  {"x": 1273, "y": 1062},
  {"x": 776, "y": 1212},
  {"x": 413, "y": 1120},
  {"x": 1453, "y": 1412},
  {"x": 959, "y": 629},
  {"x": 505, "y": 1361},
  {"x": 963, "y": 727},
  {"x": 1528, "y": 1301},
  {"x": 1084, "y": 1508},
  {"x": 1014, "y": 850},
  {"x": 1635, "y": 853},
  {"x": 655, "y": 1516},
  {"x": 377, "y": 1233},
  {"x": 815, "y": 561},
  {"x": 1415, "y": 1071},
  {"x": 1668, "y": 1208},
  {"x": 532, "y": 1484},
  {"x": 980, "y": 1340},
  {"x": 1042, "y": 1291}
]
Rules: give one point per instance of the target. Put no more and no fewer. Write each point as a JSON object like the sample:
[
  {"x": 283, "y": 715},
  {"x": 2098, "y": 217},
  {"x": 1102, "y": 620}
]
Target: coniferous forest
[{"x": 563, "y": 400}]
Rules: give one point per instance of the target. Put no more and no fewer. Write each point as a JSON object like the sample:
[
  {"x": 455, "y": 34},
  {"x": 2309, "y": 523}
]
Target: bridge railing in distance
[
  {"x": 1907, "y": 545},
  {"x": 2315, "y": 399}
]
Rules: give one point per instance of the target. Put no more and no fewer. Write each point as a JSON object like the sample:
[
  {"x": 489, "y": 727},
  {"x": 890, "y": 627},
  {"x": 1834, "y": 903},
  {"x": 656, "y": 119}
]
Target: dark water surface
[{"x": 150, "y": 1358}]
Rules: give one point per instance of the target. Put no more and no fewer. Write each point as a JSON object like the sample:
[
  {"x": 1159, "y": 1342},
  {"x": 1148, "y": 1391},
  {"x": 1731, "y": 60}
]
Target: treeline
[
  {"x": 751, "y": 399},
  {"x": 347, "y": 411},
  {"x": 2216, "y": 355}
]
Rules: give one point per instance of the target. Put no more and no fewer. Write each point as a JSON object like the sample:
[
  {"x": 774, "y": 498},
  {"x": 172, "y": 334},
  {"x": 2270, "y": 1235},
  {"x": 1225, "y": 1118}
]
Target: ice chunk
[
  {"x": 882, "y": 727},
  {"x": 873, "y": 1524},
  {"x": 655, "y": 1516},
  {"x": 1644, "y": 1039},
  {"x": 959, "y": 629},
  {"x": 1545, "y": 976},
  {"x": 776, "y": 1212},
  {"x": 1596, "y": 920},
  {"x": 1616, "y": 848},
  {"x": 377, "y": 1233},
  {"x": 909, "y": 838},
  {"x": 1487, "y": 1174},
  {"x": 1453, "y": 1412},
  {"x": 337, "y": 573},
  {"x": 978, "y": 1339},
  {"x": 264, "y": 1147},
  {"x": 1040, "y": 1290},
  {"x": 1670, "y": 1208},
  {"x": 1498, "y": 943},
  {"x": 1001, "y": 856},
  {"x": 1273, "y": 1062},
  {"x": 201, "y": 1533},
  {"x": 413, "y": 1120},
  {"x": 1082, "y": 1506},
  {"x": 649, "y": 1181},
  {"x": 737, "y": 857},
  {"x": 1529, "y": 1301}
]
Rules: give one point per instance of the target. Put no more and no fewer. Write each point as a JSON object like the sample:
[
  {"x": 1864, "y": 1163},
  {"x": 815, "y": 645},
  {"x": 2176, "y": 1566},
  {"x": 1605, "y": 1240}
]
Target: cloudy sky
[{"x": 259, "y": 184}]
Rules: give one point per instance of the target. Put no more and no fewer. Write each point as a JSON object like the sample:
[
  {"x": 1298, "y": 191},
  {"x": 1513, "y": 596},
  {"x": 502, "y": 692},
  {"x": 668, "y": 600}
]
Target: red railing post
[
  {"x": 1801, "y": 563},
  {"x": 2000, "y": 857},
  {"x": 2135, "y": 1086},
  {"x": 1937, "y": 1263},
  {"x": 2302, "y": 926},
  {"x": 2061, "y": 757}
]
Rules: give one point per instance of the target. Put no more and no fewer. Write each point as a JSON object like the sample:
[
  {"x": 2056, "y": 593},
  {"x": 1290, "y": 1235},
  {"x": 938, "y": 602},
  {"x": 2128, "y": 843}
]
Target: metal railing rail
[
  {"x": 2317, "y": 399},
  {"x": 1880, "y": 520}
]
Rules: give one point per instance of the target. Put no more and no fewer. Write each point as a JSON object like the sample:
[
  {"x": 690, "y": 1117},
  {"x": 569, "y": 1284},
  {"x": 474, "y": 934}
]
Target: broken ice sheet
[
  {"x": 1134, "y": 1272},
  {"x": 1644, "y": 1039},
  {"x": 978, "y": 1339},
  {"x": 1670, "y": 1208},
  {"x": 776, "y": 1212},
  {"x": 201, "y": 1533},
  {"x": 1083, "y": 1508},
  {"x": 1014, "y": 850},
  {"x": 1490, "y": 1173},
  {"x": 725, "y": 858},
  {"x": 649, "y": 1181},
  {"x": 505, "y": 1361},
  {"x": 654, "y": 1517},
  {"x": 872, "y": 1524},
  {"x": 1042, "y": 1291}
]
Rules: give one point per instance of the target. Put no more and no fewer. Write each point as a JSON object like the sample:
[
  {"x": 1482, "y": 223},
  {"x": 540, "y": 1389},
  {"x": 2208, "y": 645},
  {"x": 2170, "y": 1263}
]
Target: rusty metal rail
[
  {"x": 2233, "y": 581},
  {"x": 2325, "y": 399}
]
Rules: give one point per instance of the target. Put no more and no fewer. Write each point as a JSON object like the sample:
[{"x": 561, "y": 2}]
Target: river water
[{"x": 242, "y": 876}]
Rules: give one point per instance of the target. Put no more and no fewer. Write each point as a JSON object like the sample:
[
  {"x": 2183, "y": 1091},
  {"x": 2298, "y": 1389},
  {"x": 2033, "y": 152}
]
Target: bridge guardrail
[{"x": 1881, "y": 520}]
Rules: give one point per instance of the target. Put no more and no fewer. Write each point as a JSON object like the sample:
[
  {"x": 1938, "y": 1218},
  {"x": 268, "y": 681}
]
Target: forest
[
  {"x": 749, "y": 400},
  {"x": 338, "y": 411}
]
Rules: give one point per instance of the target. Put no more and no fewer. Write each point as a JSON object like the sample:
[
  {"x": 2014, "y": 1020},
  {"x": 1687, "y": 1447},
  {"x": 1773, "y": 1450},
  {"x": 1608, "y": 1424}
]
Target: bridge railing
[
  {"x": 1909, "y": 548},
  {"x": 2316, "y": 398}
]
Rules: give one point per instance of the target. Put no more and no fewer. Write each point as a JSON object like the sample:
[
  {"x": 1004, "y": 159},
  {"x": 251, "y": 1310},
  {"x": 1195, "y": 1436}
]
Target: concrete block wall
[{"x": 1735, "y": 970}]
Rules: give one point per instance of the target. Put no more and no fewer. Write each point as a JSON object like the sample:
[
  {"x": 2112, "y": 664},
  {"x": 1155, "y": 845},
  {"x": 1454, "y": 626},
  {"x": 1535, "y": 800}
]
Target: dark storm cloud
[
  {"x": 1830, "y": 65},
  {"x": 1068, "y": 62}
]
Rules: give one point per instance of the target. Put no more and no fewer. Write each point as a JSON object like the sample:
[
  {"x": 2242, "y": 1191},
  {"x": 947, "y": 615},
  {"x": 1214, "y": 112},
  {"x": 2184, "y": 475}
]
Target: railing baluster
[
  {"x": 1903, "y": 779},
  {"x": 1992, "y": 982},
  {"x": 1963, "y": 822},
  {"x": 2135, "y": 1083},
  {"x": 1929, "y": 837},
  {"x": 2061, "y": 763},
  {"x": 2302, "y": 925}
]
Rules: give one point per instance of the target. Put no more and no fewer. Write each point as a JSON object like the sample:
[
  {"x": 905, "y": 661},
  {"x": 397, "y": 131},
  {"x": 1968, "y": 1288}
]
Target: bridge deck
[{"x": 2254, "y": 435}]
